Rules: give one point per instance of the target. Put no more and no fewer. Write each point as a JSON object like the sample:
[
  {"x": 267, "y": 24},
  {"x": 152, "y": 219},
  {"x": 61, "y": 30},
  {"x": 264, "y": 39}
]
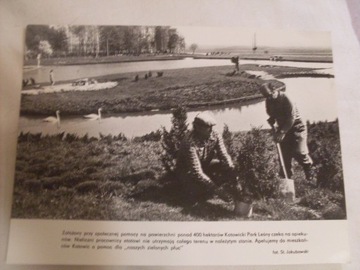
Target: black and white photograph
[
  {"x": 173, "y": 123},
  {"x": 166, "y": 134}
]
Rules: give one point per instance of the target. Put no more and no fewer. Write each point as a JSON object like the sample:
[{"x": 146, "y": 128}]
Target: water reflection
[
  {"x": 136, "y": 124},
  {"x": 73, "y": 72},
  {"x": 315, "y": 97}
]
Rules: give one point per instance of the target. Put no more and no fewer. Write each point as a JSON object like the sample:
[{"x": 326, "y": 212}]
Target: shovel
[{"x": 286, "y": 187}]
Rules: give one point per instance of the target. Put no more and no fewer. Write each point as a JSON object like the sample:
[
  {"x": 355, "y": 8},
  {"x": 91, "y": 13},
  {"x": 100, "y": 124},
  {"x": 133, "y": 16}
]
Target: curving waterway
[
  {"x": 72, "y": 72},
  {"x": 315, "y": 97}
]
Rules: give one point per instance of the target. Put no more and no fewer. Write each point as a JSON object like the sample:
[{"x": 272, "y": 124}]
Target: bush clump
[
  {"x": 257, "y": 165},
  {"x": 326, "y": 153},
  {"x": 172, "y": 139},
  {"x": 153, "y": 136},
  {"x": 228, "y": 139},
  {"x": 319, "y": 199}
]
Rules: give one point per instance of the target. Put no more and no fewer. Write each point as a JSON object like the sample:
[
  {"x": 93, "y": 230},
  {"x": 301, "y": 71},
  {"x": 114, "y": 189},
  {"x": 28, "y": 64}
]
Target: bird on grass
[
  {"x": 54, "y": 120},
  {"x": 94, "y": 116}
]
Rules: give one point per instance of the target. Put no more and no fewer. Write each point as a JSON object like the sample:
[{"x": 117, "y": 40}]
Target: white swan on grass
[
  {"x": 94, "y": 116},
  {"x": 54, "y": 120}
]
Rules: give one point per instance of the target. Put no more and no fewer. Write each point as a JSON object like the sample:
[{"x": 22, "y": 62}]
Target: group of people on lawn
[{"x": 205, "y": 167}]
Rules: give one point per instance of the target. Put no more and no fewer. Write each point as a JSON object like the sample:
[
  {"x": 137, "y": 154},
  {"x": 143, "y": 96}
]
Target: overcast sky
[{"x": 213, "y": 36}]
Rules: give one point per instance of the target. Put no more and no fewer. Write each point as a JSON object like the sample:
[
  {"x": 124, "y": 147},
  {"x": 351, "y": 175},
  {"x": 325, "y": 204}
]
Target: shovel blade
[
  {"x": 287, "y": 189},
  {"x": 243, "y": 209}
]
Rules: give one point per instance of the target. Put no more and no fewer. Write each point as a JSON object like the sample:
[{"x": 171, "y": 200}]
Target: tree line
[{"x": 81, "y": 40}]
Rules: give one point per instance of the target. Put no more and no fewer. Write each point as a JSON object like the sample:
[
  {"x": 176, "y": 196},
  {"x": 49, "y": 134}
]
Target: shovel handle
[
  {"x": 281, "y": 160},
  {"x": 278, "y": 147}
]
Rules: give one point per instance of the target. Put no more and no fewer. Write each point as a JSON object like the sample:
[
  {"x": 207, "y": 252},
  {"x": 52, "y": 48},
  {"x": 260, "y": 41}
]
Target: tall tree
[
  {"x": 158, "y": 38},
  {"x": 148, "y": 38},
  {"x": 80, "y": 32},
  {"x": 173, "y": 40},
  {"x": 140, "y": 42},
  {"x": 35, "y": 33},
  {"x": 181, "y": 44},
  {"x": 161, "y": 38},
  {"x": 129, "y": 39},
  {"x": 112, "y": 38},
  {"x": 92, "y": 40},
  {"x": 193, "y": 47},
  {"x": 45, "y": 48},
  {"x": 58, "y": 40}
]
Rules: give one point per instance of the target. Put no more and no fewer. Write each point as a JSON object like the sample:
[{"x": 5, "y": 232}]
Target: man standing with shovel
[{"x": 291, "y": 132}]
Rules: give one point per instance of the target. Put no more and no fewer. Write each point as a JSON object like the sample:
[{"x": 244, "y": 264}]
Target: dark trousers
[
  {"x": 294, "y": 146},
  {"x": 197, "y": 191}
]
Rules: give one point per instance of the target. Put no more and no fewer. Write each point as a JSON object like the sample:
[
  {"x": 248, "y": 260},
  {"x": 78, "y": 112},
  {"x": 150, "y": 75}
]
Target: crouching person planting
[{"x": 204, "y": 167}]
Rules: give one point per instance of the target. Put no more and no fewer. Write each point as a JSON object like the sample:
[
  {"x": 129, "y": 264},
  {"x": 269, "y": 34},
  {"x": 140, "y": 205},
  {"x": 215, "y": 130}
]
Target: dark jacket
[{"x": 285, "y": 113}]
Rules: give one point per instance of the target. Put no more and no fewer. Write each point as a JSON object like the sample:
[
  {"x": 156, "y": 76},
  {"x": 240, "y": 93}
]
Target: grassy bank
[
  {"x": 193, "y": 87},
  {"x": 113, "y": 178},
  {"x": 262, "y": 56}
]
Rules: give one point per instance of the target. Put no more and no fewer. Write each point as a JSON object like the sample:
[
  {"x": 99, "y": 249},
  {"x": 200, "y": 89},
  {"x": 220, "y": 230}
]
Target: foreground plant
[
  {"x": 257, "y": 166},
  {"x": 172, "y": 139}
]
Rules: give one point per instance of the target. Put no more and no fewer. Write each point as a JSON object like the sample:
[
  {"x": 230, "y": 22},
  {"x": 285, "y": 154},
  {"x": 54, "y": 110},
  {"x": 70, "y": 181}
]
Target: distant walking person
[
  {"x": 291, "y": 132},
  {"x": 235, "y": 60},
  {"x": 38, "y": 58},
  {"x": 52, "y": 77}
]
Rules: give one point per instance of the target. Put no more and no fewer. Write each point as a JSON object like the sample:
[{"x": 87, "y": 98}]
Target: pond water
[
  {"x": 315, "y": 97},
  {"x": 73, "y": 72}
]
